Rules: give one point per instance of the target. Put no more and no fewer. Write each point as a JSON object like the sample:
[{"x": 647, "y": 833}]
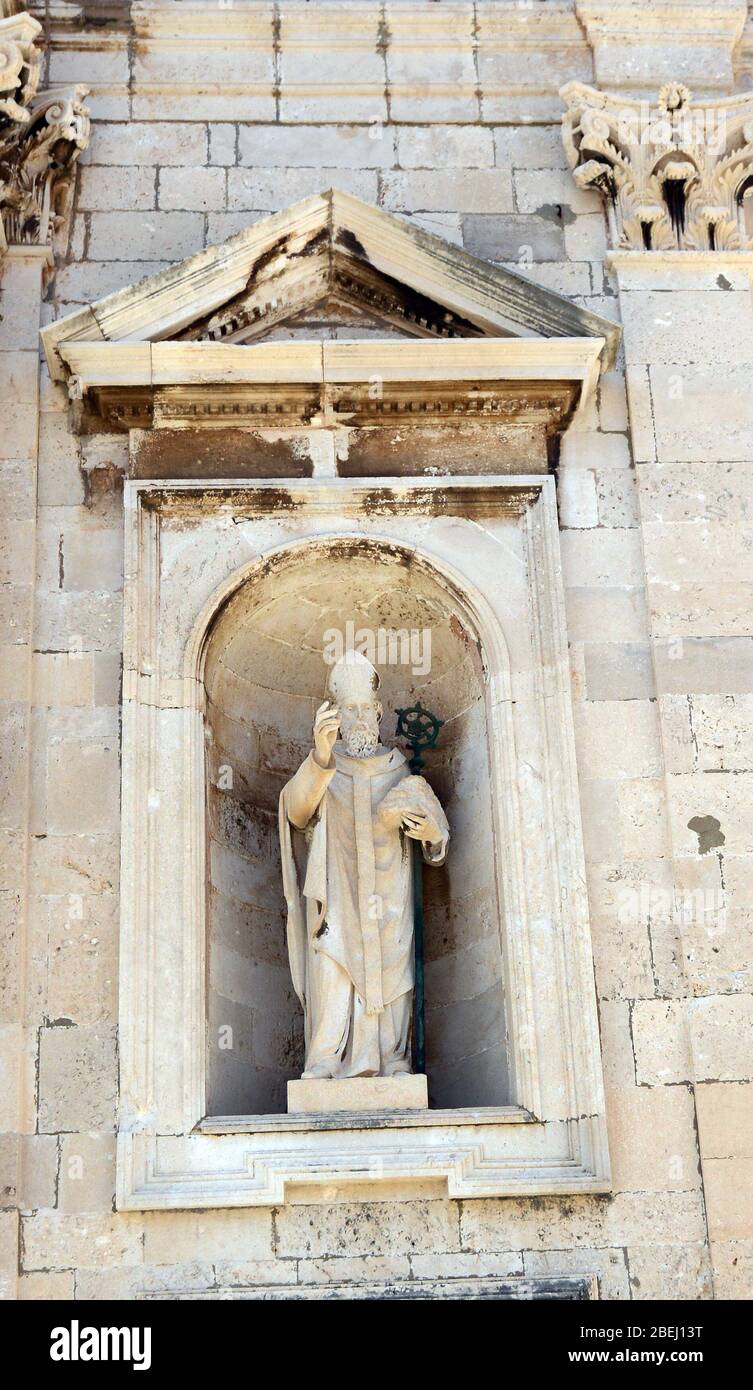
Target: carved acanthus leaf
[
  {"x": 41, "y": 138},
  {"x": 674, "y": 173}
]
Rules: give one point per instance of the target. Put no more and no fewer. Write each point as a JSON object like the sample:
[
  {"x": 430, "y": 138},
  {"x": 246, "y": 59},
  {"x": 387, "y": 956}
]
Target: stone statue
[{"x": 348, "y": 882}]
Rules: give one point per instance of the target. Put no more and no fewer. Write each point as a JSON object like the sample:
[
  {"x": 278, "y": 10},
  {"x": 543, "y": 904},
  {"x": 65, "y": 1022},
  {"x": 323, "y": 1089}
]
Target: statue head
[{"x": 352, "y": 685}]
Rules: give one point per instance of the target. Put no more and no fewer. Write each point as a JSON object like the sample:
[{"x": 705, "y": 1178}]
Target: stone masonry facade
[{"x": 204, "y": 119}]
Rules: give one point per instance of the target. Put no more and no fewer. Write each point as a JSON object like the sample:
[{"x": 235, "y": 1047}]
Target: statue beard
[{"x": 361, "y": 742}]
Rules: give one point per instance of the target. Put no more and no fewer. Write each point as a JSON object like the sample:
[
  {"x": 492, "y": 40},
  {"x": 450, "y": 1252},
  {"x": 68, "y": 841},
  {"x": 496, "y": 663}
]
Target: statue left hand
[{"x": 422, "y": 827}]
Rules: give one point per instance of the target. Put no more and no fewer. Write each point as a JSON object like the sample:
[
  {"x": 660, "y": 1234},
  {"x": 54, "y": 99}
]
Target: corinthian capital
[
  {"x": 19, "y": 68},
  {"x": 675, "y": 174},
  {"x": 41, "y": 136}
]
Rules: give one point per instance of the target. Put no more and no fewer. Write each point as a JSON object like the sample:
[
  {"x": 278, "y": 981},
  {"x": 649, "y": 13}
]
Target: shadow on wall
[{"x": 265, "y": 676}]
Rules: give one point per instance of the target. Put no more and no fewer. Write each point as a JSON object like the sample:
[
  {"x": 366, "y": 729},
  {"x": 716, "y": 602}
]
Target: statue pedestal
[{"x": 358, "y": 1093}]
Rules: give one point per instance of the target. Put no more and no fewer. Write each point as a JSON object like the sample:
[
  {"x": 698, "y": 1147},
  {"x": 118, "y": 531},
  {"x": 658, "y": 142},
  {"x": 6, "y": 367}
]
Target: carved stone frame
[{"x": 170, "y": 1154}]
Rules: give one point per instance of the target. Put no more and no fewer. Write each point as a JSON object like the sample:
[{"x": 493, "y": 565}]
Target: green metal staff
[{"x": 420, "y": 728}]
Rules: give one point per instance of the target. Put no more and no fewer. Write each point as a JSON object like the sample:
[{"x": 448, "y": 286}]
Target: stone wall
[{"x": 450, "y": 118}]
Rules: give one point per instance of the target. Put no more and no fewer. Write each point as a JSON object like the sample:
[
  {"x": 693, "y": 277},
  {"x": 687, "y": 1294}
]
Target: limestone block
[
  {"x": 443, "y": 147},
  {"x": 189, "y": 79},
  {"x": 673, "y": 1218},
  {"x": 563, "y": 277},
  {"x": 19, "y": 306},
  {"x": 652, "y": 1139},
  {"x": 223, "y": 142},
  {"x": 60, "y": 481},
  {"x": 200, "y": 188},
  {"x": 576, "y": 495},
  {"x": 589, "y": 448},
  {"x": 612, "y": 401},
  {"x": 83, "y": 787},
  {"x": 268, "y": 190},
  {"x": 55, "y": 1241},
  {"x": 87, "y": 1173},
  {"x": 722, "y": 806},
  {"x": 728, "y": 1184},
  {"x": 92, "y": 559},
  {"x": 356, "y": 1269},
  {"x": 370, "y": 1228},
  {"x": 101, "y": 190},
  {"x": 718, "y": 949},
  {"x": 37, "y": 1171},
  {"x": 725, "y": 1119},
  {"x": 430, "y": 62},
  {"x": 18, "y": 380},
  {"x": 606, "y": 615},
  {"x": 174, "y": 1237},
  {"x": 674, "y": 330},
  {"x": 11, "y": 859},
  {"x": 13, "y": 752},
  {"x": 586, "y": 237},
  {"x": 131, "y": 1281},
  {"x": 467, "y": 1265},
  {"x": 15, "y": 662},
  {"x": 733, "y": 1268},
  {"x": 705, "y": 665},
  {"x": 720, "y": 1028},
  {"x": 483, "y": 190},
  {"x": 84, "y": 281},
  {"x": 680, "y": 1273},
  {"x": 514, "y": 239},
  {"x": 601, "y": 557},
  {"x": 529, "y": 147},
  {"x": 63, "y": 678},
  {"x": 75, "y": 864},
  {"x": 636, "y": 754},
  {"x": 643, "y": 818},
  {"x": 47, "y": 1288},
  {"x": 151, "y": 236},
  {"x": 661, "y": 1042},
  {"x": 688, "y": 404},
  {"x": 692, "y": 609},
  {"x": 617, "y": 498},
  {"x": 16, "y": 551},
  {"x": 619, "y": 671},
  {"x": 537, "y": 188},
  {"x": 642, "y": 427},
  {"x": 315, "y": 146},
  {"x": 77, "y": 1078},
  {"x": 147, "y": 142},
  {"x": 312, "y": 62},
  {"x": 83, "y": 961},
  {"x": 599, "y": 806},
  {"x": 610, "y": 1267},
  {"x": 616, "y": 1042},
  {"x": 358, "y": 1093},
  {"x": 15, "y": 613}
]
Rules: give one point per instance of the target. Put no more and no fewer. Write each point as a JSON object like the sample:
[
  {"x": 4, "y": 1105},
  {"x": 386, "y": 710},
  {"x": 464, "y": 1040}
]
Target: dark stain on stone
[
  {"x": 709, "y": 832},
  {"x": 723, "y": 282},
  {"x": 557, "y": 212},
  {"x": 349, "y": 241},
  {"x": 220, "y": 453}
]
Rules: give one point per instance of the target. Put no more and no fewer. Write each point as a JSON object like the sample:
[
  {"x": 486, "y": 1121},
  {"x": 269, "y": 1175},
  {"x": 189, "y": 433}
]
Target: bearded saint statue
[{"x": 347, "y": 871}]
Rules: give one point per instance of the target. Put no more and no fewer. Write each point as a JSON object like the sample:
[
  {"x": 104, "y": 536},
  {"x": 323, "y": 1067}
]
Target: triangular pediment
[{"x": 330, "y": 259}]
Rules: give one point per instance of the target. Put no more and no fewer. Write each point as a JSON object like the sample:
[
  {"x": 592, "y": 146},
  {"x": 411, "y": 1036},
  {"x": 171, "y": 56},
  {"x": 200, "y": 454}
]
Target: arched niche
[{"x": 264, "y": 674}]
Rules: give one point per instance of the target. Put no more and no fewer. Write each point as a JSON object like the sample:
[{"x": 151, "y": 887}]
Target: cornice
[{"x": 273, "y": 385}]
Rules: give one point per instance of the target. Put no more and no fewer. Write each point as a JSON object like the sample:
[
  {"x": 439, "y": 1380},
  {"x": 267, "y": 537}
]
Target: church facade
[{"x": 426, "y": 331}]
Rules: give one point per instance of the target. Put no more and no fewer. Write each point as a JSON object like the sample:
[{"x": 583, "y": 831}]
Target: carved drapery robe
[{"x": 350, "y": 895}]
